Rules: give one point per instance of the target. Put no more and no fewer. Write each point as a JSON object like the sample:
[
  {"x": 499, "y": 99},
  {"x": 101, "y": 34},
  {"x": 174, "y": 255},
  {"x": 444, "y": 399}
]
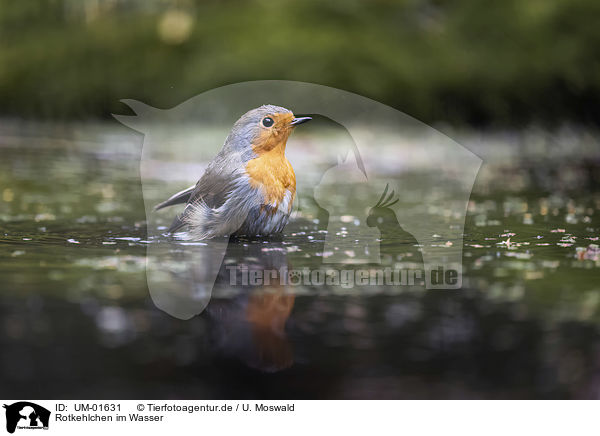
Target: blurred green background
[{"x": 466, "y": 61}]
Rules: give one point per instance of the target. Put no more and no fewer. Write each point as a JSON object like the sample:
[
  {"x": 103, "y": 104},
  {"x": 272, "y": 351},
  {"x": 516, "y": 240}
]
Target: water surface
[{"x": 77, "y": 319}]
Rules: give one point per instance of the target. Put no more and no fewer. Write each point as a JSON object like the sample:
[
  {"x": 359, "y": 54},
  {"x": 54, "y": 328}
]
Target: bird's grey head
[{"x": 261, "y": 129}]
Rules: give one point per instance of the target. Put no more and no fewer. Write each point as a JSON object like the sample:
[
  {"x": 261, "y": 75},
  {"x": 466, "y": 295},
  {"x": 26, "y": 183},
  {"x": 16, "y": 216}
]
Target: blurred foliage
[{"x": 467, "y": 61}]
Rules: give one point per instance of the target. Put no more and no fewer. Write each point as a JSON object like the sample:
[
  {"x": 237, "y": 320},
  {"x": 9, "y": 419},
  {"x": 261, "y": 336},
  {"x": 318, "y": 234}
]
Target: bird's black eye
[{"x": 268, "y": 121}]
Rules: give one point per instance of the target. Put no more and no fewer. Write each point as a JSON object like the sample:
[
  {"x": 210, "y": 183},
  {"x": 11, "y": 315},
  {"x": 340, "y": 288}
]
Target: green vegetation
[{"x": 464, "y": 61}]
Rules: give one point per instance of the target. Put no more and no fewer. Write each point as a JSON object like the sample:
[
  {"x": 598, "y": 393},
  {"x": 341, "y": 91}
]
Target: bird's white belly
[{"x": 268, "y": 219}]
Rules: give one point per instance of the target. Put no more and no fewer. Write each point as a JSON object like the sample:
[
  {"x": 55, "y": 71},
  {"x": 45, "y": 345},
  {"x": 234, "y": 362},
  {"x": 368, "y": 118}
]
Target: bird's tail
[
  {"x": 181, "y": 197},
  {"x": 177, "y": 223}
]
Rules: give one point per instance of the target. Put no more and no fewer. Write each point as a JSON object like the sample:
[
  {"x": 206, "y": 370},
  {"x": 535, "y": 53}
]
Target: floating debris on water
[
  {"x": 45, "y": 217},
  {"x": 591, "y": 252},
  {"x": 518, "y": 255},
  {"x": 571, "y": 219},
  {"x": 87, "y": 219}
]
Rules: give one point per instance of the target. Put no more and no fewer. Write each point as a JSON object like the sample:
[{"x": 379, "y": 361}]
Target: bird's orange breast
[{"x": 273, "y": 174}]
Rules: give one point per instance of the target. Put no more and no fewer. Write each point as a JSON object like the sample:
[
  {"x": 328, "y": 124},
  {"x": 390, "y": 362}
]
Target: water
[{"x": 77, "y": 318}]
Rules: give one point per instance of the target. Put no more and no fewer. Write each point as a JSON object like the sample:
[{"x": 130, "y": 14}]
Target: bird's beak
[{"x": 300, "y": 120}]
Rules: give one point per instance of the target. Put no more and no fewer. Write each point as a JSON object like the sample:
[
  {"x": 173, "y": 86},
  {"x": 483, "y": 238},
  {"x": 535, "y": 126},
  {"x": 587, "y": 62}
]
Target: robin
[{"x": 249, "y": 187}]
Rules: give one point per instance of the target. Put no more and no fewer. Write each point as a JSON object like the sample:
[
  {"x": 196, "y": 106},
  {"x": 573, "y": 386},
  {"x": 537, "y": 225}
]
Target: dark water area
[{"x": 77, "y": 319}]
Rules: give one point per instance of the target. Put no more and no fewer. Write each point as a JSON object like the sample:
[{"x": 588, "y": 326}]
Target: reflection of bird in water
[
  {"x": 395, "y": 241},
  {"x": 267, "y": 314},
  {"x": 250, "y": 324}
]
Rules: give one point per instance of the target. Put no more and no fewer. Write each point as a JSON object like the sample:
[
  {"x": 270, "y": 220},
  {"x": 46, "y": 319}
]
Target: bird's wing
[
  {"x": 180, "y": 197},
  {"x": 213, "y": 189}
]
